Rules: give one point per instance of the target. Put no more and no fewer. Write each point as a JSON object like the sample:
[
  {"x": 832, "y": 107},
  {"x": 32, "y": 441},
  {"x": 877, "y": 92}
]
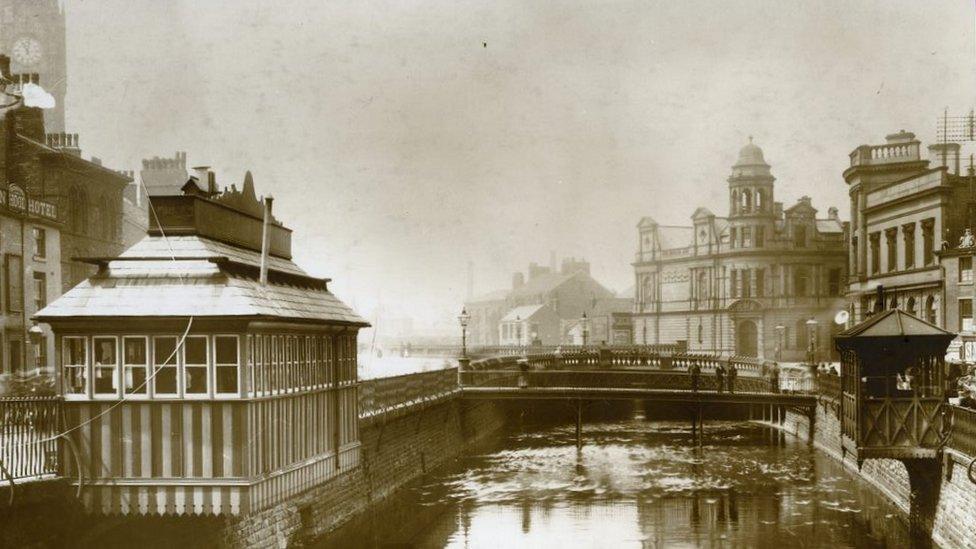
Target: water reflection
[{"x": 640, "y": 484}]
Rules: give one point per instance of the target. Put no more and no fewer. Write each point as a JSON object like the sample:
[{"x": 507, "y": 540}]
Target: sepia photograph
[{"x": 398, "y": 274}]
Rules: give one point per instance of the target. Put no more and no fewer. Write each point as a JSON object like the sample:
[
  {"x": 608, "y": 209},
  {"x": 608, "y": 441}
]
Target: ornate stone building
[
  {"x": 32, "y": 33},
  {"x": 747, "y": 284},
  {"x": 904, "y": 209}
]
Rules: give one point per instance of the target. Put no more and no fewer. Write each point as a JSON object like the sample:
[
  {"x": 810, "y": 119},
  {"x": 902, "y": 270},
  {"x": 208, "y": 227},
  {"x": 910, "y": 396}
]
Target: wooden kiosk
[
  {"x": 203, "y": 371},
  {"x": 893, "y": 386}
]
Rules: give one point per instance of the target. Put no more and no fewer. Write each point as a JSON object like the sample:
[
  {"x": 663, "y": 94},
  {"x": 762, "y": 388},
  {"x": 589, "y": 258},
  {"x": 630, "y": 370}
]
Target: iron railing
[
  {"x": 381, "y": 395},
  {"x": 828, "y": 385},
  {"x": 963, "y": 433},
  {"x": 28, "y": 430},
  {"x": 611, "y": 379}
]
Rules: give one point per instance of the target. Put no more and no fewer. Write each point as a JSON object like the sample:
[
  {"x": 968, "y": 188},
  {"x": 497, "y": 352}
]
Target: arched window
[
  {"x": 893, "y": 304},
  {"x": 930, "y": 310},
  {"x": 747, "y": 200},
  {"x": 701, "y": 333},
  {"x": 760, "y": 200},
  {"x": 702, "y": 285},
  {"x": 910, "y": 308}
]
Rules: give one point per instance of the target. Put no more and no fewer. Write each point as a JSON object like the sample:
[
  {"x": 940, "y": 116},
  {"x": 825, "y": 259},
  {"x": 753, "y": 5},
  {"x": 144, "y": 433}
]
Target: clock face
[{"x": 27, "y": 51}]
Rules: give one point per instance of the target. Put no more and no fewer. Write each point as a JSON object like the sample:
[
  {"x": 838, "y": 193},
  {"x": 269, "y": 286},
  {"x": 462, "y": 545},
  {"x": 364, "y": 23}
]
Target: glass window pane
[
  {"x": 227, "y": 379},
  {"x": 105, "y": 365},
  {"x": 226, "y": 349},
  {"x": 75, "y": 361},
  {"x": 226, "y": 369},
  {"x": 134, "y": 353},
  {"x": 195, "y": 365},
  {"x": 164, "y": 359}
]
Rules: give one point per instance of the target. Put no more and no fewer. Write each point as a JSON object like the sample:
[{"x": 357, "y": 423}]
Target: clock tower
[{"x": 32, "y": 34}]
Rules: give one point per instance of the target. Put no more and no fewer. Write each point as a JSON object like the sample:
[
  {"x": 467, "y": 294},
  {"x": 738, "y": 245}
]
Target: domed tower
[{"x": 751, "y": 211}]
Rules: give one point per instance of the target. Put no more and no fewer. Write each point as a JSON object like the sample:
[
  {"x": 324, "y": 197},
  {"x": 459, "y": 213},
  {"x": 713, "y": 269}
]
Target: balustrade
[
  {"x": 28, "y": 430},
  {"x": 380, "y": 395}
]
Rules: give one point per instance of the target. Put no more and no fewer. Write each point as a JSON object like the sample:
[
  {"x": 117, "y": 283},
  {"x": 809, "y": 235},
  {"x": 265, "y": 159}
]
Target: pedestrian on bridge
[
  {"x": 774, "y": 377},
  {"x": 720, "y": 377},
  {"x": 732, "y": 374},
  {"x": 695, "y": 371}
]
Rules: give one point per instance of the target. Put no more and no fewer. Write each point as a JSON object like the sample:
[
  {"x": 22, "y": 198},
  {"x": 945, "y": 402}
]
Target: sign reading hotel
[{"x": 14, "y": 198}]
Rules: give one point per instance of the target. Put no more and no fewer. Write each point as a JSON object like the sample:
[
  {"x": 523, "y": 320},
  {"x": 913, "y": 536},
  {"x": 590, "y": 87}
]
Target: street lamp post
[
  {"x": 812, "y": 341},
  {"x": 463, "y": 320},
  {"x": 780, "y": 341},
  {"x": 585, "y": 327}
]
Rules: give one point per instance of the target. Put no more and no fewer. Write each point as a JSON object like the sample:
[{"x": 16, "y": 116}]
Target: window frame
[
  {"x": 145, "y": 395},
  {"x": 116, "y": 375},
  {"x": 85, "y": 374},
  {"x": 237, "y": 365},
  {"x": 206, "y": 366},
  {"x": 156, "y": 365},
  {"x": 962, "y": 319},
  {"x": 965, "y": 279},
  {"x": 39, "y": 237}
]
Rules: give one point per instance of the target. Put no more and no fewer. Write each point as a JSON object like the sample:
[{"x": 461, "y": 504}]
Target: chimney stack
[
  {"x": 264, "y": 240},
  {"x": 945, "y": 154},
  {"x": 518, "y": 280},
  {"x": 833, "y": 214}
]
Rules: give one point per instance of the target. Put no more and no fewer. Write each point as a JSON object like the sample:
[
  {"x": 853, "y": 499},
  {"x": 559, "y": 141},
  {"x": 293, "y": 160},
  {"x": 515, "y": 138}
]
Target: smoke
[{"x": 36, "y": 96}]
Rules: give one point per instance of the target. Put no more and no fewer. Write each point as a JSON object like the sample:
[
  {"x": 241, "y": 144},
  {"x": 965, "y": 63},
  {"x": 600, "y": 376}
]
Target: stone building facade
[
  {"x": 568, "y": 291},
  {"x": 33, "y": 35},
  {"x": 60, "y": 207},
  {"x": 904, "y": 209},
  {"x": 746, "y": 284}
]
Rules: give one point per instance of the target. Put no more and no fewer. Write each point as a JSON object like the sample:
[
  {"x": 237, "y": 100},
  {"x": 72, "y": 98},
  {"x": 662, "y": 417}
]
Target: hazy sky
[{"x": 403, "y": 139}]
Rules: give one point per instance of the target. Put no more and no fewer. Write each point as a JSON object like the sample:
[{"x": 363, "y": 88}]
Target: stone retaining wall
[
  {"x": 394, "y": 452},
  {"x": 955, "y": 514}
]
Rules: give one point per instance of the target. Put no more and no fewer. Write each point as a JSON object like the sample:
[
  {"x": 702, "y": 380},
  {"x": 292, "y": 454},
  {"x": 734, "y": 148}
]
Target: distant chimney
[
  {"x": 535, "y": 270},
  {"x": 518, "y": 280},
  {"x": 901, "y": 136},
  {"x": 945, "y": 154},
  {"x": 833, "y": 214}
]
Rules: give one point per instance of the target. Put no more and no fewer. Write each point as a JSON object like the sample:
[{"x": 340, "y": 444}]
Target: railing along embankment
[
  {"x": 393, "y": 395},
  {"x": 28, "y": 437}
]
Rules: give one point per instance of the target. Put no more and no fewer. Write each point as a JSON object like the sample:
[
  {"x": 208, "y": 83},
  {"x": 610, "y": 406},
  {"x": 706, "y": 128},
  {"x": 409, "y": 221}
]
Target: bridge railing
[
  {"x": 963, "y": 433},
  {"x": 664, "y": 380},
  {"x": 828, "y": 385},
  {"x": 519, "y": 350},
  {"x": 26, "y": 424},
  {"x": 382, "y": 395}
]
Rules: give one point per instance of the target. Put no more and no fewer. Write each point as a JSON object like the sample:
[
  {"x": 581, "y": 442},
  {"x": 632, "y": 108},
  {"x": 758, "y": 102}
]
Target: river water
[{"x": 635, "y": 483}]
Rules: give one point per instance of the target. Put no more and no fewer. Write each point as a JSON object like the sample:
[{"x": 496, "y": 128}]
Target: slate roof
[
  {"x": 150, "y": 284},
  {"x": 828, "y": 226},
  {"x": 522, "y": 313},
  {"x": 541, "y": 284},
  {"x": 197, "y": 246},
  {"x": 893, "y": 323},
  {"x": 672, "y": 237}
]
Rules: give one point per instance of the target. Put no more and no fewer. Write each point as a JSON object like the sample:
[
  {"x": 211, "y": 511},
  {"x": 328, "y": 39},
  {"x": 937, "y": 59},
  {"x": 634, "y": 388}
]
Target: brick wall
[
  {"x": 955, "y": 514},
  {"x": 394, "y": 452}
]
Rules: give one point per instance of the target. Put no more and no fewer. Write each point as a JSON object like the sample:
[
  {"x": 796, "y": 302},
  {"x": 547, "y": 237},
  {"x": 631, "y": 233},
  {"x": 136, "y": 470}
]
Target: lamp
[
  {"x": 585, "y": 327},
  {"x": 463, "y": 320},
  {"x": 780, "y": 340},
  {"x": 812, "y": 340}
]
